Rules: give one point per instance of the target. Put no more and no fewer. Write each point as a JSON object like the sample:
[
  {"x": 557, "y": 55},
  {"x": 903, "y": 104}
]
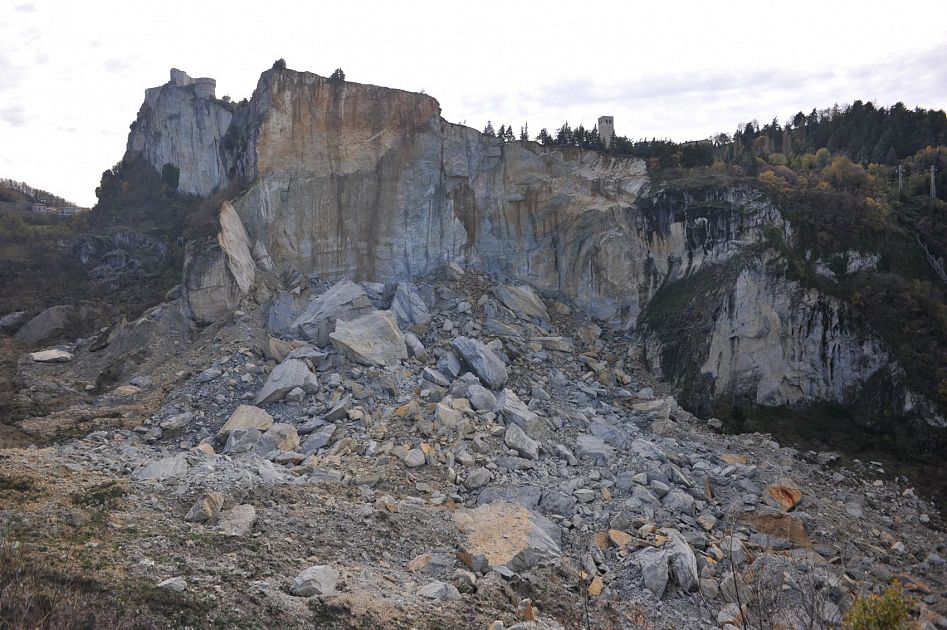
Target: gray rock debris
[
  {"x": 409, "y": 307},
  {"x": 482, "y": 361},
  {"x": 284, "y": 378},
  {"x": 345, "y": 300},
  {"x": 522, "y": 300}
]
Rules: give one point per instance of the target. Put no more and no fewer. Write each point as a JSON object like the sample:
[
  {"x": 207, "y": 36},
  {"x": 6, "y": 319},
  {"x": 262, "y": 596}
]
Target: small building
[
  {"x": 41, "y": 208},
  {"x": 606, "y": 129},
  {"x": 68, "y": 211}
]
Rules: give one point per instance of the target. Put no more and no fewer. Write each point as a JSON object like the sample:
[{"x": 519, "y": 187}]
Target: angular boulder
[
  {"x": 318, "y": 580},
  {"x": 517, "y": 440},
  {"x": 409, "y": 307},
  {"x": 11, "y": 322},
  {"x": 522, "y": 300},
  {"x": 344, "y": 300},
  {"x": 284, "y": 378},
  {"x": 482, "y": 361},
  {"x": 510, "y": 535},
  {"x": 654, "y": 569},
  {"x": 167, "y": 468},
  {"x": 205, "y": 508},
  {"x": 373, "y": 339},
  {"x": 682, "y": 561},
  {"x": 515, "y": 411},
  {"x": 52, "y": 356},
  {"x": 246, "y": 417}
]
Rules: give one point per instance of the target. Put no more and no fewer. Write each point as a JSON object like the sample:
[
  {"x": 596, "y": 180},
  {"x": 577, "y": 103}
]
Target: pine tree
[
  {"x": 502, "y": 133},
  {"x": 488, "y": 130},
  {"x": 524, "y": 132}
]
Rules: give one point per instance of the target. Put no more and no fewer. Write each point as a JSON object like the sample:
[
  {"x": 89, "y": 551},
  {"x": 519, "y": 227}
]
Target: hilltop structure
[{"x": 606, "y": 129}]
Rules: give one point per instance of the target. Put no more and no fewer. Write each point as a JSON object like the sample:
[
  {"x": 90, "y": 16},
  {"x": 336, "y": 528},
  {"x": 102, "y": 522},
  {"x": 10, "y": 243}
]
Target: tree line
[{"x": 35, "y": 195}]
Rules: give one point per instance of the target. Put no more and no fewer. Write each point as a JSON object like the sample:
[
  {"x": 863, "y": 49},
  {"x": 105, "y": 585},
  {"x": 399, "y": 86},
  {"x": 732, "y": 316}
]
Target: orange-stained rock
[{"x": 786, "y": 493}]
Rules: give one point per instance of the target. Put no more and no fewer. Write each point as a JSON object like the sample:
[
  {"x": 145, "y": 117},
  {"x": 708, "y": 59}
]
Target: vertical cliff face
[
  {"x": 181, "y": 124},
  {"x": 344, "y": 179},
  {"x": 348, "y": 180},
  {"x": 779, "y": 343}
]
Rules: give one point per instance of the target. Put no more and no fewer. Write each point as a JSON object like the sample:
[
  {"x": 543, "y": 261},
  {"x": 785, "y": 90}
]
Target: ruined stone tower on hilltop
[{"x": 606, "y": 129}]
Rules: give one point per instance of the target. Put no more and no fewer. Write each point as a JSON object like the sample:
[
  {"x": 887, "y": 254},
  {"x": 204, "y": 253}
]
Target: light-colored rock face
[
  {"x": 181, "y": 126},
  {"x": 358, "y": 181},
  {"x": 218, "y": 272},
  {"x": 783, "y": 344}
]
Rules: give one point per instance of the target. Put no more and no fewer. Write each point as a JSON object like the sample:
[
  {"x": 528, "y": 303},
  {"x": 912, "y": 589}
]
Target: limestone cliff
[
  {"x": 182, "y": 124},
  {"x": 342, "y": 179}
]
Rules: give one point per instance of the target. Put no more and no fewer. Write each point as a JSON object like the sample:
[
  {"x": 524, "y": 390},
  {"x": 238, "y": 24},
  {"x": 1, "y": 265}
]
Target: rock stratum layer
[{"x": 345, "y": 180}]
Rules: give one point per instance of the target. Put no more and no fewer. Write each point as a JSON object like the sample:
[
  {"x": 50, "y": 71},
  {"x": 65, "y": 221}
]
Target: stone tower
[{"x": 606, "y": 129}]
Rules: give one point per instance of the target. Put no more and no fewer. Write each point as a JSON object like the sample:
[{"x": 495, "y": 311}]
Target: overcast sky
[{"x": 73, "y": 73}]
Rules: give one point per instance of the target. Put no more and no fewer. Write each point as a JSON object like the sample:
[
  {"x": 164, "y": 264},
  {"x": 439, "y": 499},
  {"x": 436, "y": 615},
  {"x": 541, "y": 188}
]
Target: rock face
[
  {"x": 788, "y": 344},
  {"x": 217, "y": 273},
  {"x": 346, "y": 180},
  {"x": 182, "y": 125},
  {"x": 760, "y": 337}
]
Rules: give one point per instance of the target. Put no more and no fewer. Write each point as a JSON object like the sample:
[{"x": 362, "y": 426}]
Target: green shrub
[{"x": 891, "y": 610}]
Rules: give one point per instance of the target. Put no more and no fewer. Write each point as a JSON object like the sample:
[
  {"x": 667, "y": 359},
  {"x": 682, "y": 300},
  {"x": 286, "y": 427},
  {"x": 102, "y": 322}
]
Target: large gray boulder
[
  {"x": 515, "y": 411},
  {"x": 284, "y": 378},
  {"x": 344, "y": 300},
  {"x": 409, "y": 307},
  {"x": 517, "y": 440},
  {"x": 522, "y": 300},
  {"x": 59, "y": 322},
  {"x": 482, "y": 361},
  {"x": 373, "y": 339},
  {"x": 654, "y": 569},
  {"x": 682, "y": 561}
]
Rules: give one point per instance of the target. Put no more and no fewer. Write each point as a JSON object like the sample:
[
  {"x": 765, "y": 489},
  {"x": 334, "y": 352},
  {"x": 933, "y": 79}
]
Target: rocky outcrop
[
  {"x": 364, "y": 182},
  {"x": 218, "y": 272},
  {"x": 747, "y": 331},
  {"x": 344, "y": 180},
  {"x": 783, "y": 344},
  {"x": 182, "y": 125}
]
